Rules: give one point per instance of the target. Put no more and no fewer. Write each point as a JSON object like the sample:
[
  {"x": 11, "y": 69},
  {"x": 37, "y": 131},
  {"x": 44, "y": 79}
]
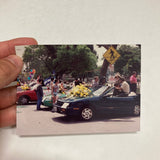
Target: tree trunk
[
  {"x": 105, "y": 65},
  {"x": 103, "y": 71}
]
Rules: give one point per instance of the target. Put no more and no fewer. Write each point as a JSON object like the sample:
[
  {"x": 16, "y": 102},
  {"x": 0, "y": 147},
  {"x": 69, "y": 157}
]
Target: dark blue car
[{"x": 101, "y": 102}]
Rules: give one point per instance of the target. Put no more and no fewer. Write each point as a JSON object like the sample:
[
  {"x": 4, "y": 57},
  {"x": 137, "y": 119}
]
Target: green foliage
[
  {"x": 130, "y": 59},
  {"x": 39, "y": 58},
  {"x": 63, "y": 59},
  {"x": 75, "y": 60}
]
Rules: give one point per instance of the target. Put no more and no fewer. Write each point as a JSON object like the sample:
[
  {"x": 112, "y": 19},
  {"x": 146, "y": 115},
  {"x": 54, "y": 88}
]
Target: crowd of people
[{"x": 122, "y": 88}]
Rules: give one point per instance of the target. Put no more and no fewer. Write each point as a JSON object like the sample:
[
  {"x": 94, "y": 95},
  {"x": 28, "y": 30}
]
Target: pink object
[{"x": 133, "y": 79}]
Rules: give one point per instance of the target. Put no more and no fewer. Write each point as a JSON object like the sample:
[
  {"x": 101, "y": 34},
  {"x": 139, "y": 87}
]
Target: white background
[{"x": 84, "y": 22}]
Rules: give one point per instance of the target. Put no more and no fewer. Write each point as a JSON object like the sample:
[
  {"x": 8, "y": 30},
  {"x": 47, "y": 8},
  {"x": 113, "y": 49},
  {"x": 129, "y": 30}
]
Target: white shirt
[{"x": 125, "y": 87}]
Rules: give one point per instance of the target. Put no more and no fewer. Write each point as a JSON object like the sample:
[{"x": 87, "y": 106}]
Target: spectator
[
  {"x": 95, "y": 82},
  {"x": 39, "y": 93},
  {"x": 102, "y": 81},
  {"x": 77, "y": 82},
  {"x": 61, "y": 86},
  {"x": 133, "y": 82},
  {"x": 65, "y": 84},
  {"x": 51, "y": 83},
  {"x": 54, "y": 91}
]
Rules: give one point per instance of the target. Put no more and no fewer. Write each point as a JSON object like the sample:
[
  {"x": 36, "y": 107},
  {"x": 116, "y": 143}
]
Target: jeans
[{"x": 39, "y": 101}]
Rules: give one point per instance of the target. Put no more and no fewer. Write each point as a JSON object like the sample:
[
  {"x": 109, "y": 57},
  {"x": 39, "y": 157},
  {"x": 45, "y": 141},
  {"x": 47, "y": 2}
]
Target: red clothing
[{"x": 133, "y": 79}]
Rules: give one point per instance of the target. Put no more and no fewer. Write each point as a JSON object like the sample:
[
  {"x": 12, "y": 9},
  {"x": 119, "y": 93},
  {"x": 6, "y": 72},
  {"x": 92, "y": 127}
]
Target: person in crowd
[
  {"x": 71, "y": 84},
  {"x": 38, "y": 77},
  {"x": 65, "y": 84},
  {"x": 95, "y": 82},
  {"x": 76, "y": 82},
  {"x": 61, "y": 87},
  {"x": 103, "y": 81},
  {"x": 39, "y": 92},
  {"x": 51, "y": 83},
  {"x": 133, "y": 82},
  {"x": 54, "y": 91},
  {"x": 116, "y": 91},
  {"x": 124, "y": 87}
]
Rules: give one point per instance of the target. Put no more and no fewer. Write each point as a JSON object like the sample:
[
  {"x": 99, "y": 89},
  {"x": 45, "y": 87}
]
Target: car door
[
  {"x": 32, "y": 95},
  {"x": 118, "y": 105},
  {"x": 106, "y": 104},
  {"x": 122, "y": 105}
]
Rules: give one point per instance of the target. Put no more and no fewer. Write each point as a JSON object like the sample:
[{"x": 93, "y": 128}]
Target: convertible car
[
  {"x": 102, "y": 101},
  {"x": 48, "y": 100}
]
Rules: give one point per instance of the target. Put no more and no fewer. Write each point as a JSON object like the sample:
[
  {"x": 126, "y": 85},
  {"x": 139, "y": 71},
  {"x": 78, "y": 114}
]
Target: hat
[
  {"x": 117, "y": 75},
  {"x": 122, "y": 78}
]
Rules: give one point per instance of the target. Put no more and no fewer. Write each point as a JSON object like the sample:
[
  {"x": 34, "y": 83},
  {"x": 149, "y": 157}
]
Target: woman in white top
[{"x": 54, "y": 91}]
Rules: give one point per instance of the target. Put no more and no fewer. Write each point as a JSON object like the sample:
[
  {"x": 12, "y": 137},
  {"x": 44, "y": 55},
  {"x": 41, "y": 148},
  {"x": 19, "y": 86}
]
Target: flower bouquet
[{"x": 80, "y": 91}]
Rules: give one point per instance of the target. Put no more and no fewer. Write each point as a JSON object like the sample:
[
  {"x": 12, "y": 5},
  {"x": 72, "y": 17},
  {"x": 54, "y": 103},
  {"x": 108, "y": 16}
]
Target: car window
[
  {"x": 100, "y": 91},
  {"x": 110, "y": 93},
  {"x": 32, "y": 84}
]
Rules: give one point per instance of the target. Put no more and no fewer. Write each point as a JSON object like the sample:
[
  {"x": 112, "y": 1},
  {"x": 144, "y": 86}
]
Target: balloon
[
  {"x": 29, "y": 78},
  {"x": 34, "y": 71}
]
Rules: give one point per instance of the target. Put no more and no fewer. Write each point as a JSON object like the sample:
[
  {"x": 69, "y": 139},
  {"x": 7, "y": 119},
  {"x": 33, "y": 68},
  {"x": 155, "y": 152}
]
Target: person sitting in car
[
  {"x": 124, "y": 88},
  {"x": 116, "y": 91}
]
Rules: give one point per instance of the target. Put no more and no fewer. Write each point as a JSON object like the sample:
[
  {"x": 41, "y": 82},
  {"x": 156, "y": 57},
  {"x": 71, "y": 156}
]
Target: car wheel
[
  {"x": 136, "y": 110},
  {"x": 87, "y": 114},
  {"x": 23, "y": 100}
]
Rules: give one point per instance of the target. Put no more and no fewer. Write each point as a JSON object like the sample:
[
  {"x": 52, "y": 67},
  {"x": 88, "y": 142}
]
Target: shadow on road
[
  {"x": 104, "y": 118},
  {"x": 31, "y": 103},
  {"x": 46, "y": 109},
  {"x": 66, "y": 119}
]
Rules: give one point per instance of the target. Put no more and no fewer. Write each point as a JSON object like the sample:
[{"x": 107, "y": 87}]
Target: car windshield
[
  {"x": 99, "y": 91},
  {"x": 32, "y": 84}
]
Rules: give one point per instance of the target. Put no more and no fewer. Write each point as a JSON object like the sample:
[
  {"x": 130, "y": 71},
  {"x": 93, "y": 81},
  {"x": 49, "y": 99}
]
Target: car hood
[
  {"x": 25, "y": 91},
  {"x": 76, "y": 99}
]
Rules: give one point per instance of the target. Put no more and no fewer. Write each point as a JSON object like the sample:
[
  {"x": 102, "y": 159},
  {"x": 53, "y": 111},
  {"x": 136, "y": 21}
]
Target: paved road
[{"x": 32, "y": 122}]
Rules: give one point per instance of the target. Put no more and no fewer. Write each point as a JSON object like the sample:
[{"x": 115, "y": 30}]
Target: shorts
[{"x": 55, "y": 94}]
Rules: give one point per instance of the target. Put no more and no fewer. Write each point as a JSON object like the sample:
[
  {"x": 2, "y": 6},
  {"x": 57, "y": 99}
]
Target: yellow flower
[
  {"x": 80, "y": 91},
  {"x": 25, "y": 87}
]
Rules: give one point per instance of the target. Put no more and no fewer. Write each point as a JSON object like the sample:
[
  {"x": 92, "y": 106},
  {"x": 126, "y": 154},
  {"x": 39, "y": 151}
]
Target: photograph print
[{"x": 79, "y": 89}]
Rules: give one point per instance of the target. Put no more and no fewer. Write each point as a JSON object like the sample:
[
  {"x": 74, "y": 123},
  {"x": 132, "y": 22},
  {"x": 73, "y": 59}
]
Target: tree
[
  {"x": 40, "y": 57},
  {"x": 129, "y": 60},
  {"x": 74, "y": 59}
]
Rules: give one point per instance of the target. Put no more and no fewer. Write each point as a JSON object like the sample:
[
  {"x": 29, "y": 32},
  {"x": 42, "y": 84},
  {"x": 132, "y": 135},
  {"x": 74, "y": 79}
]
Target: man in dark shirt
[
  {"x": 76, "y": 82},
  {"x": 39, "y": 93}
]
